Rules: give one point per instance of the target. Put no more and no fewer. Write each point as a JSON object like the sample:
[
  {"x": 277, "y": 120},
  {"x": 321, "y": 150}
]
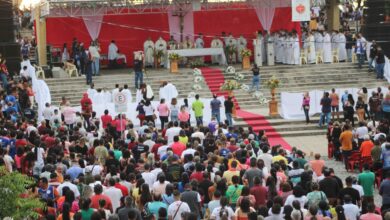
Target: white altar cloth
[{"x": 199, "y": 52}]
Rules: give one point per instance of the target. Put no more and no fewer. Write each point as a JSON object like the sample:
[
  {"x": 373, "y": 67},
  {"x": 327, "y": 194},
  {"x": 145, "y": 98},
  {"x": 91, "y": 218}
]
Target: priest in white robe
[
  {"x": 277, "y": 45},
  {"x": 127, "y": 92},
  {"x": 241, "y": 45},
  {"x": 112, "y": 54},
  {"x": 289, "y": 50},
  {"x": 311, "y": 50},
  {"x": 98, "y": 98},
  {"x": 283, "y": 47},
  {"x": 149, "y": 52},
  {"x": 341, "y": 47},
  {"x": 232, "y": 52},
  {"x": 327, "y": 48},
  {"x": 263, "y": 49},
  {"x": 168, "y": 91},
  {"x": 319, "y": 42},
  {"x": 161, "y": 45},
  {"x": 257, "y": 48},
  {"x": 188, "y": 43},
  {"x": 216, "y": 43},
  {"x": 199, "y": 43},
  {"x": 91, "y": 91},
  {"x": 172, "y": 44},
  {"x": 334, "y": 40},
  {"x": 270, "y": 50},
  {"x": 296, "y": 49},
  {"x": 107, "y": 95}
]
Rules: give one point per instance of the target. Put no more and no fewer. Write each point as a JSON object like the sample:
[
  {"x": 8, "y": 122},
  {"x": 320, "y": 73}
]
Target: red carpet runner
[{"x": 214, "y": 78}]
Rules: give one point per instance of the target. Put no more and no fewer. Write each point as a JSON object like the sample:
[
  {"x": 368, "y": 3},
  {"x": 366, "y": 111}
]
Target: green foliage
[{"x": 12, "y": 185}]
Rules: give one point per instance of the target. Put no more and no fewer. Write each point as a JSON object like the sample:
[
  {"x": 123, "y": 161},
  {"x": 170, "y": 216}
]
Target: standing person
[
  {"x": 325, "y": 110},
  {"x": 335, "y": 103},
  {"x": 163, "y": 112},
  {"x": 306, "y": 106},
  {"x": 198, "y": 107},
  {"x": 360, "y": 109},
  {"x": 349, "y": 104},
  {"x": 229, "y": 105},
  {"x": 65, "y": 54},
  {"x": 256, "y": 77},
  {"x": 86, "y": 108},
  {"x": 360, "y": 49},
  {"x": 346, "y": 144},
  {"x": 4, "y": 74},
  {"x": 311, "y": 50},
  {"x": 241, "y": 45},
  {"x": 363, "y": 92},
  {"x": 94, "y": 50},
  {"x": 327, "y": 46},
  {"x": 373, "y": 53},
  {"x": 349, "y": 45},
  {"x": 215, "y": 105},
  {"x": 139, "y": 75},
  {"x": 174, "y": 109},
  {"x": 192, "y": 198},
  {"x": 112, "y": 55},
  {"x": 380, "y": 63},
  {"x": 149, "y": 50},
  {"x": 177, "y": 208},
  {"x": 149, "y": 112},
  {"x": 257, "y": 45},
  {"x": 88, "y": 67},
  {"x": 384, "y": 191},
  {"x": 367, "y": 180},
  {"x": 386, "y": 107}
]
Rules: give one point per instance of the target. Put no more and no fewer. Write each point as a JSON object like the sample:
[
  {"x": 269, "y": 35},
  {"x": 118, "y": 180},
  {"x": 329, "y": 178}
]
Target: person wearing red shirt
[
  {"x": 106, "y": 119},
  {"x": 232, "y": 147},
  {"x": 125, "y": 191},
  {"x": 259, "y": 192},
  {"x": 50, "y": 140},
  {"x": 86, "y": 108},
  {"x": 198, "y": 174},
  {"x": 98, "y": 189},
  {"x": 155, "y": 148},
  {"x": 177, "y": 147}
]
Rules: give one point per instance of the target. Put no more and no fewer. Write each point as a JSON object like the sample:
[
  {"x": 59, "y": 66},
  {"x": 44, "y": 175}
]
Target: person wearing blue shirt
[
  {"x": 12, "y": 146},
  {"x": 154, "y": 206},
  {"x": 215, "y": 105},
  {"x": 75, "y": 170},
  {"x": 4, "y": 140}
]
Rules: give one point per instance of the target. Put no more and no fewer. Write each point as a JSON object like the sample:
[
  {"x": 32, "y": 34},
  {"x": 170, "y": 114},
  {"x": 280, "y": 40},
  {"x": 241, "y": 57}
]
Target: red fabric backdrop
[{"x": 210, "y": 23}]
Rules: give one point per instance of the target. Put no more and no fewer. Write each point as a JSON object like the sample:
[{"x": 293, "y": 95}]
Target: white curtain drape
[
  {"x": 265, "y": 15},
  {"x": 93, "y": 24}
]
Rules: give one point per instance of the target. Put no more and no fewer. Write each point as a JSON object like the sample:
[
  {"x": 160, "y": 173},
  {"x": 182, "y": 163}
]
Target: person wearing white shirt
[
  {"x": 177, "y": 208},
  {"x": 91, "y": 91},
  {"x": 148, "y": 176},
  {"x": 94, "y": 51},
  {"x": 47, "y": 114},
  {"x": 114, "y": 194},
  {"x": 172, "y": 132},
  {"x": 127, "y": 93},
  {"x": 71, "y": 186},
  {"x": 198, "y": 134},
  {"x": 223, "y": 211},
  {"x": 351, "y": 211},
  {"x": 94, "y": 169},
  {"x": 160, "y": 185},
  {"x": 188, "y": 151},
  {"x": 266, "y": 157},
  {"x": 163, "y": 149}
]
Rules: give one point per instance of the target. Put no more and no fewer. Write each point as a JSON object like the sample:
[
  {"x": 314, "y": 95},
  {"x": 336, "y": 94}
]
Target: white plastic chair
[{"x": 71, "y": 70}]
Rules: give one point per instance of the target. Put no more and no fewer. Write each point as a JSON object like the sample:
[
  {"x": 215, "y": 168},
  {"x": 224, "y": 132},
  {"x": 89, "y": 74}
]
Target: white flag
[{"x": 300, "y": 10}]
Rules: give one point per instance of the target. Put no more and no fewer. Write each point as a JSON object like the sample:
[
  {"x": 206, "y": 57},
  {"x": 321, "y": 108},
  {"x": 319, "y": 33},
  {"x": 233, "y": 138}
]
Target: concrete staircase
[{"x": 293, "y": 79}]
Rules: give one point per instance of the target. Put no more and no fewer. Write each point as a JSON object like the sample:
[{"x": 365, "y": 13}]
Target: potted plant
[
  {"x": 230, "y": 86},
  {"x": 246, "y": 54},
  {"x": 158, "y": 54},
  {"x": 273, "y": 83},
  {"x": 173, "y": 59}
]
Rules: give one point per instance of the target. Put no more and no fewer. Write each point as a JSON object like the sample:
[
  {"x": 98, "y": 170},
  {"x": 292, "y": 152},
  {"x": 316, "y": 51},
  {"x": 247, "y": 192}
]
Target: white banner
[{"x": 300, "y": 10}]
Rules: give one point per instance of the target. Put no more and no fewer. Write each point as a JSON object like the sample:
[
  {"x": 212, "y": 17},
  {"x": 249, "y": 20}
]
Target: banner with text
[{"x": 300, "y": 10}]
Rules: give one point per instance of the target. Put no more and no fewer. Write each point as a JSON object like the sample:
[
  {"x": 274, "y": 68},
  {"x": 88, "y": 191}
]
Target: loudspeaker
[
  {"x": 11, "y": 52},
  {"x": 6, "y": 22}
]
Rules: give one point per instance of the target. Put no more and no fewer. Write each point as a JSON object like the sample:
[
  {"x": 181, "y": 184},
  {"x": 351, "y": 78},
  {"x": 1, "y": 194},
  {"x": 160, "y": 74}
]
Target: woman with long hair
[
  {"x": 349, "y": 108},
  {"x": 244, "y": 209},
  {"x": 340, "y": 213},
  {"x": 145, "y": 197},
  {"x": 149, "y": 112},
  {"x": 174, "y": 109},
  {"x": 360, "y": 109},
  {"x": 167, "y": 197},
  {"x": 86, "y": 210},
  {"x": 271, "y": 187},
  {"x": 66, "y": 213},
  {"x": 323, "y": 209},
  {"x": 363, "y": 92},
  {"x": 313, "y": 213},
  {"x": 306, "y": 106},
  {"x": 163, "y": 112},
  {"x": 223, "y": 212},
  {"x": 245, "y": 193}
]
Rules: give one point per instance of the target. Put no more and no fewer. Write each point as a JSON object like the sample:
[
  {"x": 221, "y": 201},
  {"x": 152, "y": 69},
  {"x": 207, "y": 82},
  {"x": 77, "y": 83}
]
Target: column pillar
[
  {"x": 40, "y": 30},
  {"x": 333, "y": 13}
]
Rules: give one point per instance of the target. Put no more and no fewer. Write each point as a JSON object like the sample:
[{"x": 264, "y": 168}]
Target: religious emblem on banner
[{"x": 300, "y": 10}]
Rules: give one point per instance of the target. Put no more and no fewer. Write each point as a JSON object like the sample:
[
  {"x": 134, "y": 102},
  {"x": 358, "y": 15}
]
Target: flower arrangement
[
  {"x": 260, "y": 97},
  {"x": 196, "y": 87},
  {"x": 196, "y": 63},
  {"x": 174, "y": 56},
  {"x": 273, "y": 83},
  {"x": 196, "y": 72},
  {"x": 246, "y": 53},
  {"x": 245, "y": 88},
  {"x": 230, "y": 85},
  {"x": 158, "y": 53},
  {"x": 239, "y": 77},
  {"x": 198, "y": 79},
  {"x": 230, "y": 69}
]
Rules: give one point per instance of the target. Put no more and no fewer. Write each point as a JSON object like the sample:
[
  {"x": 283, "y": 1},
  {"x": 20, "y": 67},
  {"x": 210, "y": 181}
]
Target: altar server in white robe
[
  {"x": 98, "y": 98},
  {"x": 289, "y": 50},
  {"x": 127, "y": 93},
  {"x": 107, "y": 95},
  {"x": 270, "y": 49},
  {"x": 199, "y": 42},
  {"x": 327, "y": 48},
  {"x": 144, "y": 93},
  {"x": 161, "y": 45},
  {"x": 257, "y": 48},
  {"x": 283, "y": 46},
  {"x": 277, "y": 45},
  {"x": 311, "y": 50},
  {"x": 333, "y": 39},
  {"x": 232, "y": 43},
  {"x": 319, "y": 42},
  {"x": 91, "y": 91},
  {"x": 187, "y": 43},
  {"x": 216, "y": 43},
  {"x": 168, "y": 91},
  {"x": 263, "y": 48},
  {"x": 112, "y": 53},
  {"x": 148, "y": 51},
  {"x": 341, "y": 47},
  {"x": 241, "y": 45},
  {"x": 296, "y": 48}
]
